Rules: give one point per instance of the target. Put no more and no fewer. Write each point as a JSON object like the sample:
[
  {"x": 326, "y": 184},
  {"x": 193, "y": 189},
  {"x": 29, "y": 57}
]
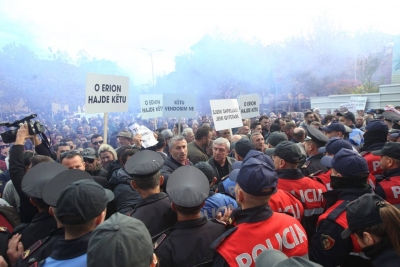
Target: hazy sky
[{"x": 118, "y": 30}]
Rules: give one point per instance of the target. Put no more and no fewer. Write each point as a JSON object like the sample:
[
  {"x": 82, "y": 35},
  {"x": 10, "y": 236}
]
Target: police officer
[
  {"x": 287, "y": 156},
  {"x": 80, "y": 208},
  {"x": 314, "y": 140},
  {"x": 388, "y": 186},
  {"x": 51, "y": 192},
  {"x": 188, "y": 244},
  {"x": 334, "y": 145},
  {"x": 349, "y": 181},
  {"x": 154, "y": 210},
  {"x": 32, "y": 185},
  {"x": 256, "y": 227},
  {"x": 375, "y": 137}
]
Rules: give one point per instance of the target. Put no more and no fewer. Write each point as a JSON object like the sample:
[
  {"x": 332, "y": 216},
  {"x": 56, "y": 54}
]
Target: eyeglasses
[
  {"x": 98, "y": 142},
  {"x": 88, "y": 160},
  {"x": 70, "y": 152}
]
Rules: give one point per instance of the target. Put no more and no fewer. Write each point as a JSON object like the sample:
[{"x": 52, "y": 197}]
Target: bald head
[{"x": 299, "y": 134}]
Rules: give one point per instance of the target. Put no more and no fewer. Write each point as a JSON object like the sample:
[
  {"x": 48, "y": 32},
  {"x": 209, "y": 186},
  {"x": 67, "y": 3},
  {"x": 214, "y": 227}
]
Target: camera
[{"x": 33, "y": 128}]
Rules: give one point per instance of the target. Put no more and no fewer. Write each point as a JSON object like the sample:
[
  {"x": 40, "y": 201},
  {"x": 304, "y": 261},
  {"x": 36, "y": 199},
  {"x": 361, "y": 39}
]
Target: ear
[
  {"x": 134, "y": 185},
  {"x": 239, "y": 195},
  {"x": 32, "y": 202},
  {"x": 368, "y": 238},
  {"x": 161, "y": 180},
  {"x": 173, "y": 207},
  {"x": 282, "y": 163},
  {"x": 51, "y": 211},
  {"x": 99, "y": 219}
]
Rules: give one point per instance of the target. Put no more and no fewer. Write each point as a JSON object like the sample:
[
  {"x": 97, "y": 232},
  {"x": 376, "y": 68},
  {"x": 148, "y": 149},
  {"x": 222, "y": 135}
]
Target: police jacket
[
  {"x": 257, "y": 229},
  {"x": 40, "y": 250},
  {"x": 217, "y": 202},
  {"x": 382, "y": 254},
  {"x": 156, "y": 213},
  {"x": 389, "y": 187},
  {"x": 212, "y": 162},
  {"x": 17, "y": 172},
  {"x": 312, "y": 165},
  {"x": 282, "y": 201},
  {"x": 188, "y": 244},
  {"x": 72, "y": 252},
  {"x": 125, "y": 196},
  {"x": 39, "y": 228},
  {"x": 325, "y": 178},
  {"x": 374, "y": 164},
  {"x": 327, "y": 246},
  {"x": 308, "y": 190}
]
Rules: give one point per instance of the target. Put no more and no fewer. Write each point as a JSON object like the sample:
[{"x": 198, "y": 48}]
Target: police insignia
[
  {"x": 3, "y": 229},
  {"x": 305, "y": 165},
  {"x": 327, "y": 242},
  {"x": 26, "y": 253}
]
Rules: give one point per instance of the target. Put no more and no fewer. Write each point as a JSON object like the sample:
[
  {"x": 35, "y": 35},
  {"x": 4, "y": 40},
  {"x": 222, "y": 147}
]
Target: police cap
[
  {"x": 53, "y": 189},
  {"x": 144, "y": 163},
  {"x": 188, "y": 187},
  {"x": 288, "y": 151},
  {"x": 313, "y": 134},
  {"x": 390, "y": 149},
  {"x": 37, "y": 177}
]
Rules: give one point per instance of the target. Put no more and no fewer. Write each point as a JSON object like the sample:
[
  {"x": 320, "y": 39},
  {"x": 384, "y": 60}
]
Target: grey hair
[
  {"x": 167, "y": 133},
  {"x": 222, "y": 141},
  {"x": 186, "y": 131},
  {"x": 175, "y": 139}
]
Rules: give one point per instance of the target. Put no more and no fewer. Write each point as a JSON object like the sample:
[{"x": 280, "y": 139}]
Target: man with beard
[
  {"x": 265, "y": 122},
  {"x": 196, "y": 148},
  {"x": 92, "y": 163}
]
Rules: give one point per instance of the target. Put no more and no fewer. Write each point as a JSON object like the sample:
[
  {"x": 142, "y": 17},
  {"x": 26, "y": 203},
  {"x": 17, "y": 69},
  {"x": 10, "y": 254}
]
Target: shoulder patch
[
  {"x": 159, "y": 240},
  {"x": 31, "y": 249},
  {"x": 327, "y": 242},
  {"x": 305, "y": 165},
  {"x": 218, "y": 221},
  {"x": 314, "y": 174},
  {"x": 3, "y": 229}
]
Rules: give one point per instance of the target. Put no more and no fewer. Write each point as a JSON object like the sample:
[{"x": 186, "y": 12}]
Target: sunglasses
[
  {"x": 4, "y": 146},
  {"x": 70, "y": 152},
  {"x": 88, "y": 160},
  {"x": 98, "y": 142}
]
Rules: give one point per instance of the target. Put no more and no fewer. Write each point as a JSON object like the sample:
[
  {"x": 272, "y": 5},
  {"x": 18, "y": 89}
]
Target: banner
[
  {"x": 151, "y": 106},
  {"x": 352, "y": 107},
  {"x": 360, "y": 102},
  {"x": 148, "y": 139},
  {"x": 179, "y": 106},
  {"x": 106, "y": 93},
  {"x": 226, "y": 114},
  {"x": 249, "y": 105}
]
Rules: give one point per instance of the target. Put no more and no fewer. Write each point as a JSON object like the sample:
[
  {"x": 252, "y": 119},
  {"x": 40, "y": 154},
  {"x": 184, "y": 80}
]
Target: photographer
[{"x": 18, "y": 170}]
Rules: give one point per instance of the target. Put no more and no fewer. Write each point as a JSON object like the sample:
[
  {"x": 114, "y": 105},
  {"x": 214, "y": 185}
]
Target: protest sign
[
  {"x": 179, "y": 106},
  {"x": 360, "y": 101},
  {"x": 350, "y": 107},
  {"x": 226, "y": 114},
  {"x": 106, "y": 93},
  {"x": 151, "y": 106},
  {"x": 249, "y": 105},
  {"x": 148, "y": 139}
]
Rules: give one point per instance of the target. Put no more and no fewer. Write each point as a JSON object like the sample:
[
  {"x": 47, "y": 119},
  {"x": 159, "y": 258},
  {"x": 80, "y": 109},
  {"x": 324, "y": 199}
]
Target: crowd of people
[{"x": 286, "y": 189}]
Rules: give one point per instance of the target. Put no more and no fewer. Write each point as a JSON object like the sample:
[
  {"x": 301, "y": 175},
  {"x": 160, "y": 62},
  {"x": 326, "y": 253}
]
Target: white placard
[
  {"x": 179, "y": 106},
  {"x": 352, "y": 107},
  {"x": 226, "y": 114},
  {"x": 249, "y": 105},
  {"x": 151, "y": 106},
  {"x": 106, "y": 93},
  {"x": 360, "y": 101},
  {"x": 148, "y": 139}
]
